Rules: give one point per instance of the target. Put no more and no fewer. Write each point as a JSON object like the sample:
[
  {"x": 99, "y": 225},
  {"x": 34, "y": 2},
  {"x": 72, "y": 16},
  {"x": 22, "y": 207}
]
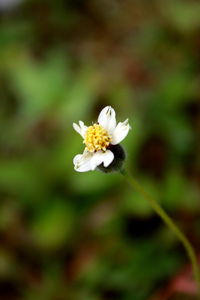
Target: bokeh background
[{"x": 74, "y": 236}]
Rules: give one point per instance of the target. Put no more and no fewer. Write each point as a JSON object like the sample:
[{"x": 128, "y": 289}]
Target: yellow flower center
[{"x": 96, "y": 138}]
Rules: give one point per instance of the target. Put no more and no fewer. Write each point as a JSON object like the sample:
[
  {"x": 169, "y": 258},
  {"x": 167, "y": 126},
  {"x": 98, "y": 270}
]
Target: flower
[{"x": 99, "y": 139}]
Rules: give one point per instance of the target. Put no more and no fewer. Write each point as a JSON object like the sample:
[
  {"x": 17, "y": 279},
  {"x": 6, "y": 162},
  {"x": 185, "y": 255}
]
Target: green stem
[{"x": 170, "y": 223}]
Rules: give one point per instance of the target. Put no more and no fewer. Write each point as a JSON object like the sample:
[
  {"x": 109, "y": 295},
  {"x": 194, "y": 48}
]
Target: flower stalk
[{"x": 170, "y": 223}]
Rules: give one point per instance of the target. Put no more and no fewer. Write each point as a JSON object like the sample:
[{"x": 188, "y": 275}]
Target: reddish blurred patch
[{"x": 182, "y": 283}]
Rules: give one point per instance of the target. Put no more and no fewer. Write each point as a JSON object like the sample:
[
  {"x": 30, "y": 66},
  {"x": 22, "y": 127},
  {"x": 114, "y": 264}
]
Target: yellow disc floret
[{"x": 96, "y": 138}]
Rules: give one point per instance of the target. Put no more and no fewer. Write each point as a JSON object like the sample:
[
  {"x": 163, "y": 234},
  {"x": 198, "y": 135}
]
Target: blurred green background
[{"x": 89, "y": 236}]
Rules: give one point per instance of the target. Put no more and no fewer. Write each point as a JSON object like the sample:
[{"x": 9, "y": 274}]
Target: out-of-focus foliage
[{"x": 66, "y": 235}]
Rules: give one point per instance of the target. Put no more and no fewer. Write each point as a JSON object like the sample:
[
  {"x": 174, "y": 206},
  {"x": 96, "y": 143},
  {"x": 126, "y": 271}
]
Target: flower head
[{"x": 100, "y": 140}]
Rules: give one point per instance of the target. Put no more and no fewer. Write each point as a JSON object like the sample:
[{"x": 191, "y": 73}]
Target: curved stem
[{"x": 170, "y": 223}]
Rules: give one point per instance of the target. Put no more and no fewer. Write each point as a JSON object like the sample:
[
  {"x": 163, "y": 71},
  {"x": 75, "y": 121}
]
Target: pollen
[{"x": 96, "y": 138}]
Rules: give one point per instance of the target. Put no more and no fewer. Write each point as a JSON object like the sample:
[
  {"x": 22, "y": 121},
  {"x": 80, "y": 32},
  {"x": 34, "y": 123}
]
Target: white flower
[{"x": 98, "y": 138}]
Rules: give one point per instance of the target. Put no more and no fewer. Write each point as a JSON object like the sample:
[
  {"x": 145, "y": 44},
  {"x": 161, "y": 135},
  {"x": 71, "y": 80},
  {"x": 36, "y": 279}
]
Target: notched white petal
[
  {"x": 81, "y": 128},
  {"x": 76, "y": 128},
  {"x": 108, "y": 158},
  {"x": 102, "y": 157},
  {"x": 77, "y": 158},
  {"x": 120, "y": 132},
  {"x": 107, "y": 119},
  {"x": 82, "y": 162}
]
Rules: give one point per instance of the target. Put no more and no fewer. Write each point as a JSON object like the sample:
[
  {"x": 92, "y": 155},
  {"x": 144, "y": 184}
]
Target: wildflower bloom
[{"x": 100, "y": 139}]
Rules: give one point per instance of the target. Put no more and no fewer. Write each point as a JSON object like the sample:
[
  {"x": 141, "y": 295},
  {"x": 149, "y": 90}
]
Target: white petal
[
  {"x": 81, "y": 128},
  {"x": 77, "y": 158},
  {"x": 101, "y": 157},
  {"x": 120, "y": 132},
  {"x": 77, "y": 128},
  {"x": 107, "y": 119},
  {"x": 108, "y": 158},
  {"x": 82, "y": 162}
]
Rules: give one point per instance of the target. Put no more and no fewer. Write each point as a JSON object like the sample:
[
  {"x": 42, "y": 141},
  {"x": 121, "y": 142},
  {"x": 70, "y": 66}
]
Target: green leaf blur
[{"x": 88, "y": 236}]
